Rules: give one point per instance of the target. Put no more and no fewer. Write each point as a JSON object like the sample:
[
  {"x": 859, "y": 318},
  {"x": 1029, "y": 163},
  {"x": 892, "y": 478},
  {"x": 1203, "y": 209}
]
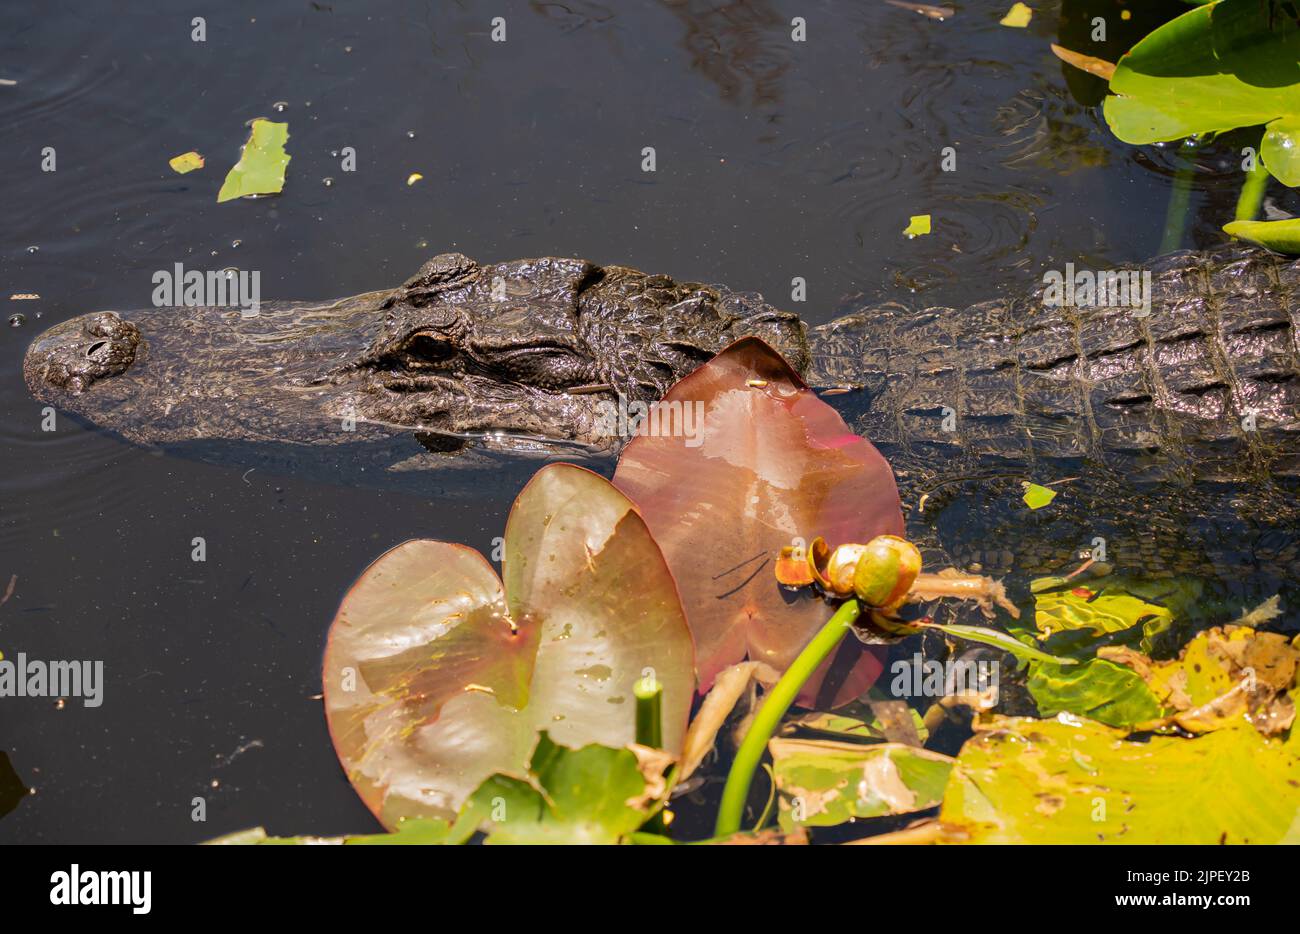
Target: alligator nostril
[{"x": 96, "y": 347}]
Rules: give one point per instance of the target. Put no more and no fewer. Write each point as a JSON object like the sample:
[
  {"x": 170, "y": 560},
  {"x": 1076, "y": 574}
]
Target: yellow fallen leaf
[
  {"x": 1089, "y": 63},
  {"x": 1036, "y": 497},
  {"x": 918, "y": 226},
  {"x": 186, "y": 162},
  {"x": 413, "y": 178},
  {"x": 1018, "y": 16}
]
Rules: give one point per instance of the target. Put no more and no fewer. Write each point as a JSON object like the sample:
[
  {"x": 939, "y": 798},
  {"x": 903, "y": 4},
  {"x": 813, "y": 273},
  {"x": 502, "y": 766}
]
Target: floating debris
[
  {"x": 1018, "y": 16},
  {"x": 186, "y": 162},
  {"x": 1089, "y": 63},
  {"x": 918, "y": 226},
  {"x": 261, "y": 165},
  {"x": 939, "y": 13}
]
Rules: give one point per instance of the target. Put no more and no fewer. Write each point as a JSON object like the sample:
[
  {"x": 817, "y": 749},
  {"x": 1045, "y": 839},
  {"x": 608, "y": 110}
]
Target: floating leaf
[
  {"x": 1108, "y": 609},
  {"x": 436, "y": 676},
  {"x": 1281, "y": 236},
  {"x": 571, "y": 796},
  {"x": 1222, "y": 676},
  {"x": 1036, "y": 497},
  {"x": 775, "y": 464},
  {"x": 1097, "y": 689},
  {"x": 1214, "y": 68},
  {"x": 1022, "y": 780},
  {"x": 1089, "y": 63},
  {"x": 1018, "y": 16},
  {"x": 823, "y": 783},
  {"x": 917, "y": 226},
  {"x": 261, "y": 165},
  {"x": 855, "y": 721},
  {"x": 186, "y": 162}
]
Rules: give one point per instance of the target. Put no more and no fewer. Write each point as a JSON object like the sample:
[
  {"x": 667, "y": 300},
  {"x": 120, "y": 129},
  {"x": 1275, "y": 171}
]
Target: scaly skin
[{"x": 1188, "y": 418}]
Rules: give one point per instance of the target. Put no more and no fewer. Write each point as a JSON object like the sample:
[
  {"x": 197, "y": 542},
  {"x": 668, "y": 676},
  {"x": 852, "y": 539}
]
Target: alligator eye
[{"x": 423, "y": 349}]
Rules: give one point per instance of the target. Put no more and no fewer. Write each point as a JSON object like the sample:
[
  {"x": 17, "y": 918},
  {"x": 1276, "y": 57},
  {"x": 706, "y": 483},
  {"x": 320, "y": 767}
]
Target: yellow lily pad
[
  {"x": 1223, "y": 677},
  {"x": 1068, "y": 780}
]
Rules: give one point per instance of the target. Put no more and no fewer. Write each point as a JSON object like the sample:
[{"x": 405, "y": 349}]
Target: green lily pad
[
  {"x": 571, "y": 796},
  {"x": 1097, "y": 689},
  {"x": 822, "y": 783},
  {"x": 1281, "y": 236},
  {"x": 1214, "y": 68},
  {"x": 438, "y": 676},
  {"x": 261, "y": 165},
  {"x": 1100, "y": 609},
  {"x": 1022, "y": 780}
]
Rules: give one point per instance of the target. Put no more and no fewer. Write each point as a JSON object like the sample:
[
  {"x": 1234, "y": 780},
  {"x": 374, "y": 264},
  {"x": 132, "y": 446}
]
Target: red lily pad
[
  {"x": 774, "y": 466},
  {"x": 437, "y": 675}
]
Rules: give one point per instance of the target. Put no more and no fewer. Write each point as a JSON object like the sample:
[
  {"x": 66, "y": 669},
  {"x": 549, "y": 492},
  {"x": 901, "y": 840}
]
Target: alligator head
[{"x": 518, "y": 354}]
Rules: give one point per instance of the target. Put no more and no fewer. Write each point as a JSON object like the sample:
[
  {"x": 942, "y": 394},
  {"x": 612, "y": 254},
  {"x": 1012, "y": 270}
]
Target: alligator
[{"x": 1159, "y": 421}]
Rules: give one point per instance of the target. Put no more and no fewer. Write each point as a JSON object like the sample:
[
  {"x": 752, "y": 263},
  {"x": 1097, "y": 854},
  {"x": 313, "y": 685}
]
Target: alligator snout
[{"x": 77, "y": 353}]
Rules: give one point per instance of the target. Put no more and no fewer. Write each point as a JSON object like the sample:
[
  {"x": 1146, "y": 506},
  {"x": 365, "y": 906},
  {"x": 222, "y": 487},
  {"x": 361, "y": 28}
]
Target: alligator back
[{"x": 1162, "y": 421}]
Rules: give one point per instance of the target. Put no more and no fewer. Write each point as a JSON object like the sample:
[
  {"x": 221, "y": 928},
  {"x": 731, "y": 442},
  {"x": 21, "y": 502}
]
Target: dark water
[{"x": 774, "y": 160}]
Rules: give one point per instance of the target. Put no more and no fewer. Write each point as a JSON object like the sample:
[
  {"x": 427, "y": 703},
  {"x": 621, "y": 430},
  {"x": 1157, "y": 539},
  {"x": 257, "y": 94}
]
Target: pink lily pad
[
  {"x": 773, "y": 466},
  {"x": 437, "y": 675}
]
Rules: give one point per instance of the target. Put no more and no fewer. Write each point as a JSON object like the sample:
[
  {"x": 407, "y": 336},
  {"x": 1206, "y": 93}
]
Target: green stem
[
  {"x": 1179, "y": 199},
  {"x": 649, "y": 695},
  {"x": 768, "y": 718},
  {"x": 1252, "y": 192}
]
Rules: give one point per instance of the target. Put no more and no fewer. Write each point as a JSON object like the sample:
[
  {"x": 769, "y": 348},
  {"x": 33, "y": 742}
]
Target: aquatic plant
[
  {"x": 550, "y": 704},
  {"x": 1219, "y": 67}
]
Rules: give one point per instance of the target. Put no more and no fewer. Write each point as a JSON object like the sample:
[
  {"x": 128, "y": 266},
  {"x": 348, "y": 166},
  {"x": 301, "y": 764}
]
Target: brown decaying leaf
[
  {"x": 1089, "y": 63},
  {"x": 728, "y": 687},
  {"x": 1258, "y": 671},
  {"x": 775, "y": 464}
]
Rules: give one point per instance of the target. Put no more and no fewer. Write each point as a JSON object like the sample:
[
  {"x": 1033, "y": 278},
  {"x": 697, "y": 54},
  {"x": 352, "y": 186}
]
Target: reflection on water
[{"x": 775, "y": 159}]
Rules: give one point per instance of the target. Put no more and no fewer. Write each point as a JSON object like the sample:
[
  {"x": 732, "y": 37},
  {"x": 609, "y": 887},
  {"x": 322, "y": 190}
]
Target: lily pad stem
[
  {"x": 1252, "y": 192},
  {"x": 1180, "y": 197},
  {"x": 768, "y": 718},
  {"x": 649, "y": 695}
]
